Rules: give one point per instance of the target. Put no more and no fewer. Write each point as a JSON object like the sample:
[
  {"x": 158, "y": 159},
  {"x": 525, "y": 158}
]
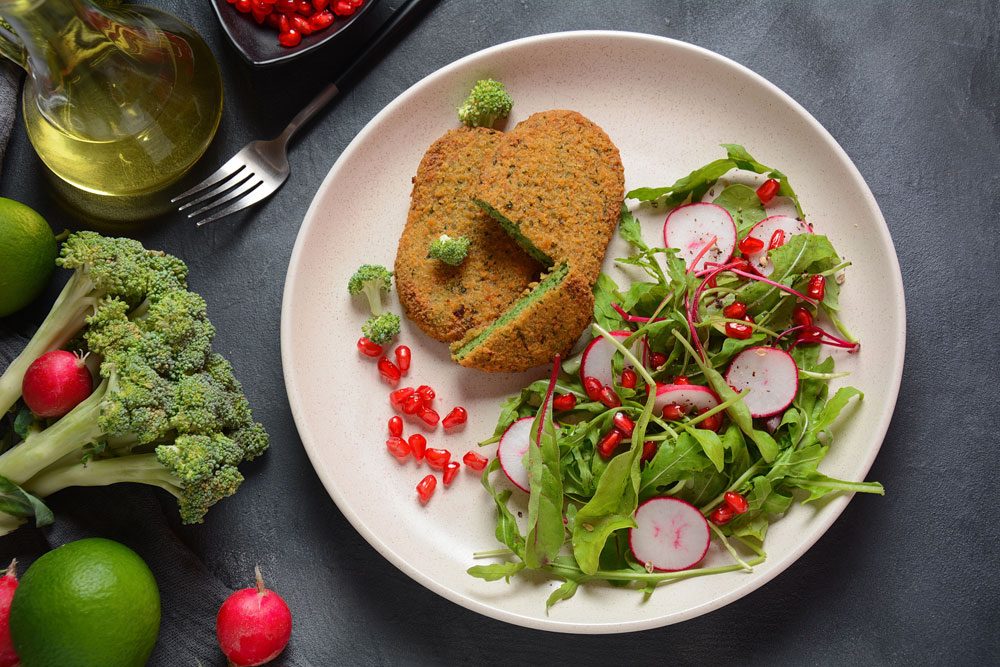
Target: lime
[
  {"x": 27, "y": 255},
  {"x": 87, "y": 603}
]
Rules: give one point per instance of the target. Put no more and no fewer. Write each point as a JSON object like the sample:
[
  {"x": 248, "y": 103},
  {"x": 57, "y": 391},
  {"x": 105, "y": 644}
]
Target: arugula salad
[{"x": 699, "y": 411}]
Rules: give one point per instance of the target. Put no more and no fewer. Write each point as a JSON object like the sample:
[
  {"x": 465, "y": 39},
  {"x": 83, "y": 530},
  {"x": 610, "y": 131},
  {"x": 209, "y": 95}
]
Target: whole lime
[
  {"x": 89, "y": 602},
  {"x": 27, "y": 255}
]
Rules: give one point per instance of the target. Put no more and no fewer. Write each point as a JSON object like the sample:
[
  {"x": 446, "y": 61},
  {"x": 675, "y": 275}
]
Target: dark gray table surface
[{"x": 911, "y": 91}]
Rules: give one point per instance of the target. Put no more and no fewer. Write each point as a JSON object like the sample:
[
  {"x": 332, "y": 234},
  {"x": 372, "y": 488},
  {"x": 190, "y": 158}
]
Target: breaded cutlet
[{"x": 447, "y": 301}]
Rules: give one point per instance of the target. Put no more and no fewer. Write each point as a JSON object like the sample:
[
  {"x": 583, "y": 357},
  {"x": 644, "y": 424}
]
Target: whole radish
[
  {"x": 253, "y": 625},
  {"x": 55, "y": 383},
  {"x": 8, "y": 584}
]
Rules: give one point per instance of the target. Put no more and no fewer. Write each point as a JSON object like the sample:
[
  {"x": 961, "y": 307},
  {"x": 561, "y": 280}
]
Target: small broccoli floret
[
  {"x": 371, "y": 280},
  {"x": 448, "y": 250},
  {"x": 381, "y": 328},
  {"x": 488, "y": 102}
]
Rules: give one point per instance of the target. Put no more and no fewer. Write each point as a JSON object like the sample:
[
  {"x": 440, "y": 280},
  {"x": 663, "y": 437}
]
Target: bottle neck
[{"x": 50, "y": 32}]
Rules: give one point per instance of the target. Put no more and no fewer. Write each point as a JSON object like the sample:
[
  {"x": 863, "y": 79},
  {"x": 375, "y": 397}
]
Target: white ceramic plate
[{"x": 667, "y": 105}]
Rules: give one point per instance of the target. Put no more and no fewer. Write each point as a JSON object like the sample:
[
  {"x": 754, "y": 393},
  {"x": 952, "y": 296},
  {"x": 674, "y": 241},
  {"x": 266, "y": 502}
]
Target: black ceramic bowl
[{"x": 259, "y": 44}]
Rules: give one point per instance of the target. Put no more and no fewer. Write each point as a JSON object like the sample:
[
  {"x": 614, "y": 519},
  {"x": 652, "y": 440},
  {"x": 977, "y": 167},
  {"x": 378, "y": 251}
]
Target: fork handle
[{"x": 310, "y": 110}]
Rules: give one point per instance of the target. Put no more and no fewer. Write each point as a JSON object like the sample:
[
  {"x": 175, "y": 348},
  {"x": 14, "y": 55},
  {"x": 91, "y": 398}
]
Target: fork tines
[{"x": 234, "y": 183}]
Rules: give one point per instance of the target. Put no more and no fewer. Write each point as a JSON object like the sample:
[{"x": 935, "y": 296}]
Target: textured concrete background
[{"x": 911, "y": 91}]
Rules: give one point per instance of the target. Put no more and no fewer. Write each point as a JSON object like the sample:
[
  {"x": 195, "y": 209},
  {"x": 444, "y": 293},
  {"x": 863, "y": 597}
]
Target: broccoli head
[
  {"x": 448, "y": 250},
  {"x": 488, "y": 102},
  {"x": 371, "y": 280},
  {"x": 381, "y": 328}
]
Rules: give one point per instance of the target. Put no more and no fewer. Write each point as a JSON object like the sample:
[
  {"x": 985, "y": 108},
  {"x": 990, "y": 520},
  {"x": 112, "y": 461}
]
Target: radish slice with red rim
[
  {"x": 512, "y": 449},
  {"x": 690, "y": 228},
  {"x": 691, "y": 397},
  {"x": 596, "y": 359},
  {"x": 781, "y": 206},
  {"x": 764, "y": 230},
  {"x": 770, "y": 374},
  {"x": 669, "y": 534}
]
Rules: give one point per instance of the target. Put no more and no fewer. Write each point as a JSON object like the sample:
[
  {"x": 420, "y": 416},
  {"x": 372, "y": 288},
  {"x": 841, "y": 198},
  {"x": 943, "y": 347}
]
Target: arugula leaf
[
  {"x": 496, "y": 571},
  {"x": 564, "y": 592},
  {"x": 605, "y": 294},
  {"x": 630, "y": 229},
  {"x": 803, "y": 254},
  {"x": 672, "y": 462},
  {"x": 545, "y": 503},
  {"x": 610, "y": 509},
  {"x": 698, "y": 181},
  {"x": 711, "y": 443},
  {"x": 507, "y": 531},
  {"x": 743, "y": 204},
  {"x": 819, "y": 485},
  {"x": 17, "y": 502},
  {"x": 23, "y": 422}
]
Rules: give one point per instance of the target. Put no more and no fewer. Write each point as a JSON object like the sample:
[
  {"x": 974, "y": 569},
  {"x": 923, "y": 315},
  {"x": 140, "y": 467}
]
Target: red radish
[
  {"x": 607, "y": 445},
  {"x": 55, "y": 383},
  {"x": 623, "y": 423},
  {"x": 429, "y": 416},
  {"x": 253, "y": 625},
  {"x": 368, "y": 347},
  {"x": 8, "y": 584},
  {"x": 596, "y": 359},
  {"x": 418, "y": 445},
  {"x": 395, "y": 426},
  {"x": 450, "y": 470},
  {"x": 399, "y": 396},
  {"x": 765, "y": 230},
  {"x": 564, "y": 402},
  {"x": 629, "y": 379},
  {"x": 690, "y": 228},
  {"x": 388, "y": 370},
  {"x": 398, "y": 448},
  {"x": 770, "y": 374},
  {"x": 403, "y": 358},
  {"x": 512, "y": 449},
  {"x": 721, "y": 515},
  {"x": 669, "y": 534},
  {"x": 690, "y": 397},
  {"x": 437, "y": 458},
  {"x": 736, "y": 502},
  {"x": 456, "y": 417},
  {"x": 425, "y": 488},
  {"x": 474, "y": 461}
]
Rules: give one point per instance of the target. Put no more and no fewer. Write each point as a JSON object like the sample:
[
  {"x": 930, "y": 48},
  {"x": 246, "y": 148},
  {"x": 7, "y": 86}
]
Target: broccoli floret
[
  {"x": 371, "y": 280},
  {"x": 448, "y": 250},
  {"x": 381, "y": 328},
  {"x": 488, "y": 102}
]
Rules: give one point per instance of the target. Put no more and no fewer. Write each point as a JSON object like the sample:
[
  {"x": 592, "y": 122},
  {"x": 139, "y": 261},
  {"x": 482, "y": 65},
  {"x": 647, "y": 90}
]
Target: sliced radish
[
  {"x": 691, "y": 397},
  {"x": 782, "y": 206},
  {"x": 669, "y": 535},
  {"x": 512, "y": 449},
  {"x": 596, "y": 360},
  {"x": 692, "y": 227},
  {"x": 770, "y": 374},
  {"x": 764, "y": 230}
]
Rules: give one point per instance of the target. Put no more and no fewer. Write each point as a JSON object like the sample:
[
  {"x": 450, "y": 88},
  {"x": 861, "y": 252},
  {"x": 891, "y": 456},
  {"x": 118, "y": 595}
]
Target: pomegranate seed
[
  {"x": 817, "y": 287},
  {"x": 429, "y": 416},
  {"x": 398, "y": 448},
  {"x": 721, "y": 515},
  {"x": 259, "y": 16},
  {"x": 737, "y": 310},
  {"x": 426, "y": 393},
  {"x": 342, "y": 8},
  {"x": 607, "y": 445},
  {"x": 777, "y": 239},
  {"x": 750, "y": 245},
  {"x": 243, "y": 6},
  {"x": 283, "y": 23},
  {"x": 285, "y": 6},
  {"x": 418, "y": 444},
  {"x": 437, "y": 458},
  {"x": 736, "y": 502},
  {"x": 425, "y": 488},
  {"x": 290, "y": 37},
  {"x": 564, "y": 402},
  {"x": 403, "y": 358},
  {"x": 320, "y": 5},
  {"x": 368, "y": 347},
  {"x": 673, "y": 412},
  {"x": 321, "y": 20},
  {"x": 713, "y": 423},
  {"x": 450, "y": 470},
  {"x": 609, "y": 398},
  {"x": 388, "y": 370},
  {"x": 738, "y": 330},
  {"x": 648, "y": 451},
  {"x": 301, "y": 25},
  {"x": 748, "y": 318},
  {"x": 355, "y": 3},
  {"x": 658, "y": 359},
  {"x": 304, "y": 7},
  {"x": 412, "y": 404},
  {"x": 802, "y": 317},
  {"x": 592, "y": 387},
  {"x": 456, "y": 417},
  {"x": 681, "y": 379},
  {"x": 629, "y": 378},
  {"x": 623, "y": 423},
  {"x": 475, "y": 461},
  {"x": 766, "y": 192},
  {"x": 397, "y": 397},
  {"x": 809, "y": 335},
  {"x": 395, "y": 426},
  {"x": 274, "y": 20}
]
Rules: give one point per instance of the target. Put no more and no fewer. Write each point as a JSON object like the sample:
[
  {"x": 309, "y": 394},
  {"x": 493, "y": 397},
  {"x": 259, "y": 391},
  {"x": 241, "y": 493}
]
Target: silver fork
[{"x": 261, "y": 167}]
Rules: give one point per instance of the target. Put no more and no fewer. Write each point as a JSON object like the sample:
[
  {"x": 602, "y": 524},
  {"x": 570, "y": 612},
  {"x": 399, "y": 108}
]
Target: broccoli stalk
[
  {"x": 451, "y": 251},
  {"x": 371, "y": 280},
  {"x": 488, "y": 102}
]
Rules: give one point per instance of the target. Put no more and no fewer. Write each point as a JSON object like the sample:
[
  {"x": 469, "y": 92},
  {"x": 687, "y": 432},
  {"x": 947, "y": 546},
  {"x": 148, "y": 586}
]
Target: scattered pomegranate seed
[
  {"x": 320, "y": 5},
  {"x": 737, "y": 310},
  {"x": 623, "y": 423},
  {"x": 738, "y": 330},
  {"x": 456, "y": 417},
  {"x": 425, "y": 488},
  {"x": 321, "y": 20},
  {"x": 295, "y": 18},
  {"x": 290, "y": 38},
  {"x": 437, "y": 458},
  {"x": 673, "y": 412},
  {"x": 721, "y": 515},
  {"x": 450, "y": 470},
  {"x": 681, "y": 379},
  {"x": 388, "y": 370},
  {"x": 648, "y": 451},
  {"x": 609, "y": 398},
  {"x": 368, "y": 347},
  {"x": 736, "y": 502},
  {"x": 398, "y": 448},
  {"x": 342, "y": 8},
  {"x": 658, "y": 359},
  {"x": 607, "y": 445},
  {"x": 412, "y": 404},
  {"x": 418, "y": 445},
  {"x": 629, "y": 378},
  {"x": 767, "y": 191},
  {"x": 243, "y": 6},
  {"x": 810, "y": 334},
  {"x": 802, "y": 317},
  {"x": 475, "y": 461},
  {"x": 713, "y": 423},
  {"x": 816, "y": 287},
  {"x": 301, "y": 24},
  {"x": 750, "y": 245},
  {"x": 426, "y": 393},
  {"x": 592, "y": 387},
  {"x": 564, "y": 402},
  {"x": 399, "y": 396},
  {"x": 777, "y": 239},
  {"x": 429, "y": 416},
  {"x": 403, "y": 358},
  {"x": 395, "y": 426}
]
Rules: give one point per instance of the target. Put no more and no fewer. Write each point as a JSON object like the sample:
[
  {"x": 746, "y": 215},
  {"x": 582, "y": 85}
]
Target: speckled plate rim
[{"x": 779, "y": 562}]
